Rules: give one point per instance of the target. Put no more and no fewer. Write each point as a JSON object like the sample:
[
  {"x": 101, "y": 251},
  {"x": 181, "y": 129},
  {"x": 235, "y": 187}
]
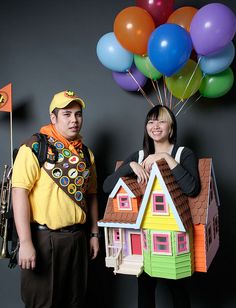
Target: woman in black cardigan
[{"x": 159, "y": 142}]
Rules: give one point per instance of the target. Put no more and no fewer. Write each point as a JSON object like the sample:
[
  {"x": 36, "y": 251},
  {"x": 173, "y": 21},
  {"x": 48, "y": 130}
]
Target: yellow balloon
[{"x": 186, "y": 82}]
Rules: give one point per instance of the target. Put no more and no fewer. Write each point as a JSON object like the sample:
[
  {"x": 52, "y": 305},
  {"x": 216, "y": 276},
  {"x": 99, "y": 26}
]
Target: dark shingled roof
[
  {"x": 125, "y": 216},
  {"x": 199, "y": 205},
  {"x": 179, "y": 199}
]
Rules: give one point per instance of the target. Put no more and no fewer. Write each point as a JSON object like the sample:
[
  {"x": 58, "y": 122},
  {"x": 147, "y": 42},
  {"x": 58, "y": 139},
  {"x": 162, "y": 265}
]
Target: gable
[
  {"x": 158, "y": 214},
  {"x": 119, "y": 185},
  {"x": 177, "y": 201}
]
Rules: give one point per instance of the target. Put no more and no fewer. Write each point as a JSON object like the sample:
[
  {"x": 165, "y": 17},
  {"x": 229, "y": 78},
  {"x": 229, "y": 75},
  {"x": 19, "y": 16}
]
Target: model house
[{"x": 157, "y": 229}]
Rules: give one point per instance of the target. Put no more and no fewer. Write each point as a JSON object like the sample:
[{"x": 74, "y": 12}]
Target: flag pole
[{"x": 11, "y": 139}]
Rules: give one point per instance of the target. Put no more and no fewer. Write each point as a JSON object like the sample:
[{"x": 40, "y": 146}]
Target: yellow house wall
[{"x": 158, "y": 222}]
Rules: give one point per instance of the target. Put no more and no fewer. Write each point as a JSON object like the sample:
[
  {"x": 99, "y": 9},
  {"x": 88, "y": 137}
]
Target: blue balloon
[
  {"x": 219, "y": 61},
  {"x": 112, "y": 55},
  {"x": 169, "y": 48}
]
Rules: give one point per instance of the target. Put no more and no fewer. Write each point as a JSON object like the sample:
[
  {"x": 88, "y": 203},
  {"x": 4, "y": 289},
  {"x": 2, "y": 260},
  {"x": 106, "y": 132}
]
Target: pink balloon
[{"x": 160, "y": 10}]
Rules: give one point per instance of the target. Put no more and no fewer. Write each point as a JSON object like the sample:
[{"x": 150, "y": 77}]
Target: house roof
[
  {"x": 179, "y": 198},
  {"x": 123, "y": 217},
  {"x": 189, "y": 209},
  {"x": 130, "y": 185},
  {"x": 199, "y": 204}
]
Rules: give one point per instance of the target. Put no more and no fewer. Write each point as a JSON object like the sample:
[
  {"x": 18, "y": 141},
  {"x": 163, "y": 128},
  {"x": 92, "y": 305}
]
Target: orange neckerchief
[{"x": 50, "y": 131}]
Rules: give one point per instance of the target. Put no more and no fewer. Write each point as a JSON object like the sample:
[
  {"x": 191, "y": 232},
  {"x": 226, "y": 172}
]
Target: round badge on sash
[
  {"x": 81, "y": 166},
  {"x": 81, "y": 154},
  {"x": 35, "y": 147},
  {"x": 73, "y": 160},
  {"x": 85, "y": 174},
  {"x": 71, "y": 189},
  {"x": 72, "y": 173},
  {"x": 49, "y": 166},
  {"x": 60, "y": 158},
  {"x": 66, "y": 153},
  {"x": 59, "y": 145},
  {"x": 66, "y": 165},
  {"x": 56, "y": 173},
  {"x": 64, "y": 181},
  {"x": 79, "y": 181},
  {"x": 78, "y": 196}
]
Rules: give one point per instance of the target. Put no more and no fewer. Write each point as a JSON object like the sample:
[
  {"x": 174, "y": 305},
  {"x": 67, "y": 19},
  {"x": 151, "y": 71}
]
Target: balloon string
[
  {"x": 200, "y": 96},
  {"x": 188, "y": 99},
  {"x": 191, "y": 77},
  {"x": 141, "y": 90},
  {"x": 158, "y": 98},
  {"x": 159, "y": 93},
  {"x": 171, "y": 96},
  {"x": 164, "y": 85},
  {"x": 150, "y": 76}
]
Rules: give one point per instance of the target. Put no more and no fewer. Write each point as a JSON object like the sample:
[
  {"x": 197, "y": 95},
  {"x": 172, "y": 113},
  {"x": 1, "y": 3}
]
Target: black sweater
[{"x": 185, "y": 173}]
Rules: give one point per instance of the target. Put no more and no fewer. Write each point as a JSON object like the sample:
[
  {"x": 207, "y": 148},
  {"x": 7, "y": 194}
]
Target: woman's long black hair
[{"x": 153, "y": 114}]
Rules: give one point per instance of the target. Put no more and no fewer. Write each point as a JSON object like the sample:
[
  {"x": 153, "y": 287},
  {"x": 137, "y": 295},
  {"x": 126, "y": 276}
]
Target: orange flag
[{"x": 6, "y": 98}]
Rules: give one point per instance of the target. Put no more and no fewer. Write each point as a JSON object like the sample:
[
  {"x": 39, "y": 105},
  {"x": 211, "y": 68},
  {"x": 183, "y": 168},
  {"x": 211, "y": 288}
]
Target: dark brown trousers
[{"x": 60, "y": 276}]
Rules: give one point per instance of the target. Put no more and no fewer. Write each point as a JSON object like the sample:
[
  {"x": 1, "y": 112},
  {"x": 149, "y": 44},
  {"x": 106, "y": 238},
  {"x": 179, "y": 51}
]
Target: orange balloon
[
  {"x": 133, "y": 27},
  {"x": 183, "y": 17}
]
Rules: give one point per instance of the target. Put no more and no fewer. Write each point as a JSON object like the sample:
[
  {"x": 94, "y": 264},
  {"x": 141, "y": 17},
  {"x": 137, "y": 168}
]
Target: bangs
[{"x": 162, "y": 115}]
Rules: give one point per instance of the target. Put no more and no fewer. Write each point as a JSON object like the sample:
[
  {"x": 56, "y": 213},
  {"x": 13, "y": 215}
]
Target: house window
[
  {"x": 211, "y": 191},
  {"x": 159, "y": 206},
  {"x": 116, "y": 235},
  {"x": 209, "y": 236},
  {"x": 215, "y": 225},
  {"x": 182, "y": 242},
  {"x": 161, "y": 243},
  {"x": 124, "y": 202},
  {"x": 144, "y": 239}
]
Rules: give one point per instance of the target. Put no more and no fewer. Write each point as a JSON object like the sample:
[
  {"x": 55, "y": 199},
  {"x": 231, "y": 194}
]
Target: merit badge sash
[{"x": 68, "y": 170}]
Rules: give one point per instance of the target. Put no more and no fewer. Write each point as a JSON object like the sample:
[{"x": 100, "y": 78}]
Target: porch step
[{"x": 130, "y": 268}]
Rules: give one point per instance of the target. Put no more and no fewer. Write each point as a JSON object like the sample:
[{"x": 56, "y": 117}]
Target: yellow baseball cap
[{"x": 62, "y": 99}]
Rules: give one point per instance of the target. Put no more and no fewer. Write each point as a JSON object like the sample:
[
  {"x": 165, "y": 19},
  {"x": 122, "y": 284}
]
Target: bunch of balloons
[{"x": 190, "y": 48}]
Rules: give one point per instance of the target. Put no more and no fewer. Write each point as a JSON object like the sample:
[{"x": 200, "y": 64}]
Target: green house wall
[{"x": 169, "y": 266}]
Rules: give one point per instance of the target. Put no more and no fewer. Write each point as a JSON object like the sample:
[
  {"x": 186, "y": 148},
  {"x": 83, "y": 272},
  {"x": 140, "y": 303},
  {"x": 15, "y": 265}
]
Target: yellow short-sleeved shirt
[{"x": 49, "y": 204}]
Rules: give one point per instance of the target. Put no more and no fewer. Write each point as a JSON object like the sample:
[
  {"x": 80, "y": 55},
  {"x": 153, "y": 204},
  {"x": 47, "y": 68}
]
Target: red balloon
[{"x": 160, "y": 10}]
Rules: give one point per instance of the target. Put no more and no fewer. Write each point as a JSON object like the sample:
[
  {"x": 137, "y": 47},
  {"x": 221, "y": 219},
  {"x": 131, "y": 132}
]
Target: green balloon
[
  {"x": 217, "y": 85},
  {"x": 145, "y": 66},
  {"x": 185, "y": 82}
]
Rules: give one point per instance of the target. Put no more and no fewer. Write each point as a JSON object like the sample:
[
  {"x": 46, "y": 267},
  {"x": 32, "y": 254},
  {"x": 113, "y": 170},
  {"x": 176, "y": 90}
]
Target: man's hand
[
  {"x": 27, "y": 255},
  {"x": 94, "y": 247}
]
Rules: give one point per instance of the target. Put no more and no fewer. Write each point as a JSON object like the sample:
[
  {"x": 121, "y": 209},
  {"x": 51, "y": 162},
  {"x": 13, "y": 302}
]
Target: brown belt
[{"x": 73, "y": 228}]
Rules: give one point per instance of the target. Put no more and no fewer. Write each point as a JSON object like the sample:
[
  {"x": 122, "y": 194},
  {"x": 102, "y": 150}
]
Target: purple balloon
[
  {"x": 132, "y": 81},
  {"x": 212, "y": 28}
]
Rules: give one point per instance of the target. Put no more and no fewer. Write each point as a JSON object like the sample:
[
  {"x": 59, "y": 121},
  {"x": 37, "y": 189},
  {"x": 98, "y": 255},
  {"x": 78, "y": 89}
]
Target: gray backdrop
[{"x": 49, "y": 46}]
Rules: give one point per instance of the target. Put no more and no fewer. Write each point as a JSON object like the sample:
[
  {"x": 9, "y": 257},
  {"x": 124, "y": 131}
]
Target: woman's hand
[
  {"x": 142, "y": 174},
  {"x": 152, "y": 158}
]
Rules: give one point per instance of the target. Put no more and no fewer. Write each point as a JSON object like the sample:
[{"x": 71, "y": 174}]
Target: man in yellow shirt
[{"x": 51, "y": 204}]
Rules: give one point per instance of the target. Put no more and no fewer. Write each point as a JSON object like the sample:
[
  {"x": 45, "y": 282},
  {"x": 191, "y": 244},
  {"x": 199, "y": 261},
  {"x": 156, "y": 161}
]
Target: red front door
[{"x": 136, "y": 247}]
